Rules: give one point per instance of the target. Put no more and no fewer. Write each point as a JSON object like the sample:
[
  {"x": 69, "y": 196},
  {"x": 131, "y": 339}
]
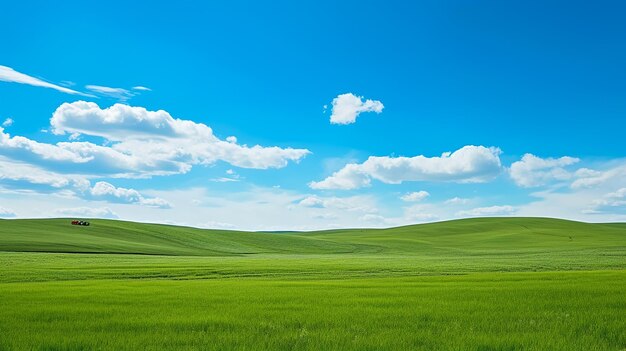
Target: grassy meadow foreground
[{"x": 476, "y": 284}]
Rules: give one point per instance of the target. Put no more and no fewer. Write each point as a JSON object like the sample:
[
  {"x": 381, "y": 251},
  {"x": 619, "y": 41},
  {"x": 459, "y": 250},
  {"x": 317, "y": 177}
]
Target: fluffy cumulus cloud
[
  {"x": 415, "y": 196},
  {"x": 87, "y": 212},
  {"x": 83, "y": 158},
  {"x": 107, "y": 191},
  {"x": 6, "y": 213},
  {"x": 466, "y": 165},
  {"x": 347, "y": 107},
  {"x": 134, "y": 143},
  {"x": 8, "y": 74},
  {"x": 138, "y": 143},
  {"x": 153, "y": 142},
  {"x": 488, "y": 211},
  {"x": 532, "y": 171}
]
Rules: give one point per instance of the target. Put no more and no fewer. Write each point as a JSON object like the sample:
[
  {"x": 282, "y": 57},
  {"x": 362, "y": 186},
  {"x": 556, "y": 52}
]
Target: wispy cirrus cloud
[
  {"x": 117, "y": 93},
  {"x": 8, "y": 74},
  {"x": 142, "y": 88},
  {"x": 121, "y": 94},
  {"x": 456, "y": 201},
  {"x": 224, "y": 180}
]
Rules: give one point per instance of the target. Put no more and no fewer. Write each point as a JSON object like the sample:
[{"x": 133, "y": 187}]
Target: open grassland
[{"x": 479, "y": 284}]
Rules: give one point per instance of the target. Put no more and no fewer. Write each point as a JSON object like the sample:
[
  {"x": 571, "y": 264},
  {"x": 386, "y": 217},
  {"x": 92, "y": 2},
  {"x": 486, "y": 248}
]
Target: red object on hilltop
[{"x": 84, "y": 223}]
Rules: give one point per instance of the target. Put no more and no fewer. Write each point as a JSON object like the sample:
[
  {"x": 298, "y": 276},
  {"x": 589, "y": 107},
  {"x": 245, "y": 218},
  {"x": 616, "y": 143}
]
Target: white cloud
[
  {"x": 353, "y": 203},
  {"x": 217, "y": 225},
  {"x": 7, "y": 122},
  {"x": 278, "y": 209},
  {"x": 347, "y": 107},
  {"x": 593, "y": 196},
  {"x": 488, "y": 211},
  {"x": 87, "y": 212},
  {"x": 224, "y": 180},
  {"x": 415, "y": 196},
  {"x": 139, "y": 87},
  {"x": 419, "y": 213},
  {"x": 532, "y": 171},
  {"x": 85, "y": 158},
  {"x": 351, "y": 176},
  {"x": 156, "y": 202},
  {"x": 619, "y": 194},
  {"x": 116, "y": 93},
  {"x": 19, "y": 172},
  {"x": 312, "y": 201},
  {"x": 373, "y": 218},
  {"x": 588, "y": 178},
  {"x": 456, "y": 201},
  {"x": 231, "y": 177},
  {"x": 268, "y": 209},
  {"x": 156, "y": 143},
  {"x": 8, "y": 74},
  {"x": 6, "y": 213},
  {"x": 104, "y": 190},
  {"x": 138, "y": 143},
  {"x": 21, "y": 176},
  {"x": 422, "y": 217},
  {"x": 613, "y": 202},
  {"x": 325, "y": 216},
  {"x": 469, "y": 164}
]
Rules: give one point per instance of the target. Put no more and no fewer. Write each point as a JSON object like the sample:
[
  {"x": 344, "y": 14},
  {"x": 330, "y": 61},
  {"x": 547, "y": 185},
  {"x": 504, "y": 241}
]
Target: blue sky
[{"x": 343, "y": 114}]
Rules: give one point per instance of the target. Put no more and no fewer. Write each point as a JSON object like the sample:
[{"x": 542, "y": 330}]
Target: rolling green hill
[
  {"x": 468, "y": 236},
  {"x": 472, "y": 284}
]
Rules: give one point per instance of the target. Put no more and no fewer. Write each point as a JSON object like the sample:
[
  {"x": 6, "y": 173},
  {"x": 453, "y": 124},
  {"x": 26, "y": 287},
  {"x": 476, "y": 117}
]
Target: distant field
[{"x": 476, "y": 284}]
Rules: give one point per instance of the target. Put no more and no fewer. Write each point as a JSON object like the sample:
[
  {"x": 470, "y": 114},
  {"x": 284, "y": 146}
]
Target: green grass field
[{"x": 475, "y": 284}]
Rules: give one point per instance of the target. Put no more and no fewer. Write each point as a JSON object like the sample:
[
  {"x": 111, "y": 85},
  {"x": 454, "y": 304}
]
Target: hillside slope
[
  {"x": 481, "y": 235},
  {"x": 469, "y": 236},
  {"x": 108, "y": 236}
]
